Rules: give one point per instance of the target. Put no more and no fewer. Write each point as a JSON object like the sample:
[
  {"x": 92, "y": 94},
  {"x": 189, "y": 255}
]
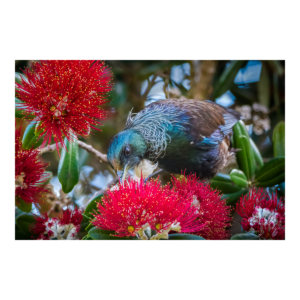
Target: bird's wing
[{"x": 206, "y": 123}]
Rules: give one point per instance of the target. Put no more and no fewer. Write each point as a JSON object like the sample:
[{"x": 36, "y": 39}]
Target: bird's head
[{"x": 126, "y": 151}]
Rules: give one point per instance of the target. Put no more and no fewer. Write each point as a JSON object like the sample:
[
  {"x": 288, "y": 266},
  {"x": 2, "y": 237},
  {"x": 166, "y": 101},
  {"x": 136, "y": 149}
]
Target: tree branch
[
  {"x": 49, "y": 148},
  {"x": 100, "y": 156}
]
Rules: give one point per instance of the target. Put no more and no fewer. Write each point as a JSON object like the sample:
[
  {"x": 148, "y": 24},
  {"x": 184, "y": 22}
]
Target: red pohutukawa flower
[
  {"x": 42, "y": 227},
  {"x": 65, "y": 227},
  {"x": 262, "y": 214},
  {"x": 65, "y": 97},
  {"x": 137, "y": 206},
  {"x": 29, "y": 173},
  {"x": 211, "y": 210}
]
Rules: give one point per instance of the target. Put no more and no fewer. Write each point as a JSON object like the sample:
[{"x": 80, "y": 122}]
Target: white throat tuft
[{"x": 145, "y": 167}]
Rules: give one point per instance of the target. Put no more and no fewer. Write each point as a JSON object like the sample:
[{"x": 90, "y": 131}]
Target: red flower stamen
[
  {"x": 65, "y": 97},
  {"x": 29, "y": 172},
  {"x": 209, "y": 209},
  {"x": 137, "y": 205},
  {"x": 66, "y": 226},
  {"x": 263, "y": 214}
]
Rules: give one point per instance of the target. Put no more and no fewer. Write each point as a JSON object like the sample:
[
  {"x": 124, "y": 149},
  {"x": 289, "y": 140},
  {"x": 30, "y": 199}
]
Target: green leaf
[
  {"x": 245, "y": 157},
  {"x": 19, "y": 113},
  {"x": 263, "y": 87},
  {"x": 184, "y": 236},
  {"x": 22, "y": 205},
  {"x": 274, "y": 181},
  {"x": 239, "y": 178},
  {"x": 223, "y": 183},
  {"x": 106, "y": 232},
  {"x": 243, "y": 129},
  {"x": 68, "y": 168},
  {"x": 84, "y": 223},
  {"x": 97, "y": 234},
  {"x": 245, "y": 236},
  {"x": 231, "y": 199},
  {"x": 87, "y": 237},
  {"x": 38, "y": 129},
  {"x": 92, "y": 206},
  {"x": 18, "y": 212},
  {"x": 226, "y": 80},
  {"x": 29, "y": 137},
  {"x": 272, "y": 173},
  {"x": 25, "y": 222},
  {"x": 18, "y": 77},
  {"x": 279, "y": 139},
  {"x": 21, "y": 235},
  {"x": 257, "y": 156},
  {"x": 89, "y": 227}
]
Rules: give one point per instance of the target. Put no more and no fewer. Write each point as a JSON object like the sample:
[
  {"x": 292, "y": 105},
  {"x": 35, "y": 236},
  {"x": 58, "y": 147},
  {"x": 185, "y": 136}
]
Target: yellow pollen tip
[
  {"x": 130, "y": 229},
  {"x": 158, "y": 226},
  {"x": 52, "y": 108}
]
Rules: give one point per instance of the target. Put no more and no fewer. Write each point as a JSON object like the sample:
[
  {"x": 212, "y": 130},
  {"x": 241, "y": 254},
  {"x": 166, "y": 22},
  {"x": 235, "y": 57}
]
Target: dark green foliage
[
  {"x": 99, "y": 234},
  {"x": 239, "y": 178},
  {"x": 279, "y": 139},
  {"x": 245, "y": 236},
  {"x": 92, "y": 206},
  {"x": 231, "y": 199},
  {"x": 249, "y": 159},
  {"x": 25, "y": 222},
  {"x": 223, "y": 183},
  {"x": 184, "y": 236},
  {"x": 68, "y": 168},
  {"x": 226, "y": 79},
  {"x": 22, "y": 205},
  {"x": 30, "y": 139}
]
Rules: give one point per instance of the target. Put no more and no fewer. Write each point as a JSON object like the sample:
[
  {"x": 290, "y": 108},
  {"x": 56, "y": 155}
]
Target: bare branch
[
  {"x": 100, "y": 156},
  {"x": 49, "y": 148}
]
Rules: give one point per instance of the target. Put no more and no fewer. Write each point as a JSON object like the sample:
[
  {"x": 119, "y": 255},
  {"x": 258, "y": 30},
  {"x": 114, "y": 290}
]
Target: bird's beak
[{"x": 122, "y": 174}]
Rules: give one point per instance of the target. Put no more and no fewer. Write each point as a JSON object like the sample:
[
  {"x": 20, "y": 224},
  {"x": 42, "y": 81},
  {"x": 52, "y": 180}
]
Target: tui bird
[{"x": 178, "y": 135}]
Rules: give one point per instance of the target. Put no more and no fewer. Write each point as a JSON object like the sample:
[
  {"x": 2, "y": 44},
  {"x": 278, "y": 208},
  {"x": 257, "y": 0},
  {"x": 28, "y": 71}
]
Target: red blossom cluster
[
  {"x": 212, "y": 210},
  {"x": 135, "y": 206},
  {"x": 262, "y": 214},
  {"x": 65, "y": 97},
  {"x": 29, "y": 173},
  {"x": 65, "y": 227}
]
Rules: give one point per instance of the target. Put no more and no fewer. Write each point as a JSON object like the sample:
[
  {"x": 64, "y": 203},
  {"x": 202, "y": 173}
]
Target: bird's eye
[{"x": 127, "y": 150}]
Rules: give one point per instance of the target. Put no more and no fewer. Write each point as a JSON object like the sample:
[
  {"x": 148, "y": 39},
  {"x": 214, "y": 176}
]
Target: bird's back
[{"x": 187, "y": 134}]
